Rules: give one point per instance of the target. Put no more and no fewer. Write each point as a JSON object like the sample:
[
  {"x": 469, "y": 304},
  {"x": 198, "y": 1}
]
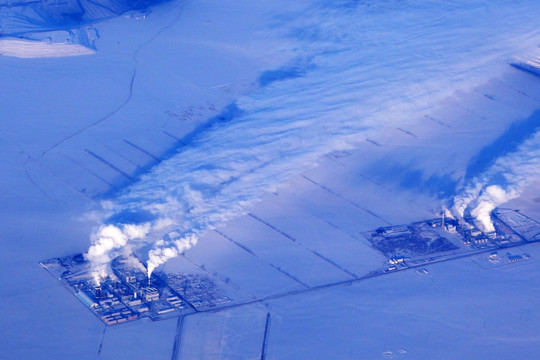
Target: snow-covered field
[
  {"x": 276, "y": 133},
  {"x": 35, "y": 49}
]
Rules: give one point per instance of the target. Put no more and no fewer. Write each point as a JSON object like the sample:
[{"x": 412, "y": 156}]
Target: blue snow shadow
[
  {"x": 410, "y": 177},
  {"x": 229, "y": 113},
  {"x": 444, "y": 186},
  {"x": 295, "y": 70},
  {"x": 507, "y": 143},
  {"x": 131, "y": 217}
]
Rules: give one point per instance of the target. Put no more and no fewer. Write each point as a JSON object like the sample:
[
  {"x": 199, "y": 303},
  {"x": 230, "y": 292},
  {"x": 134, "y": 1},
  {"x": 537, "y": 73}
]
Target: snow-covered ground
[
  {"x": 35, "y": 49},
  {"x": 278, "y": 132}
]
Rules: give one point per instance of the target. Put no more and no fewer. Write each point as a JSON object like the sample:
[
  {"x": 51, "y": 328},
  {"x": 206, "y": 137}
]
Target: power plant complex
[{"x": 128, "y": 294}]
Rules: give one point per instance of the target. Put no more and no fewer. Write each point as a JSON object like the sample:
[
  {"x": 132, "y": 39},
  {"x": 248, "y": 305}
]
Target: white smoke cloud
[
  {"x": 503, "y": 181},
  {"x": 107, "y": 243},
  {"x": 369, "y": 67},
  {"x": 166, "y": 250},
  {"x": 467, "y": 195},
  {"x": 491, "y": 197}
]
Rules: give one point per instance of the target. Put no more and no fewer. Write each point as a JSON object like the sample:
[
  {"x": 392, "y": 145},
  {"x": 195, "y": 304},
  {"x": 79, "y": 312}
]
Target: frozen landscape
[{"x": 269, "y": 180}]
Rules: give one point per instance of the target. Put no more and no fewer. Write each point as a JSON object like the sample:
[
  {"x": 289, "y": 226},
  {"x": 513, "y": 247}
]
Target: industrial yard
[
  {"x": 127, "y": 294},
  {"x": 441, "y": 239}
]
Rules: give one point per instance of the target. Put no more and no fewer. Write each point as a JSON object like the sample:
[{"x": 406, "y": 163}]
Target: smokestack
[{"x": 443, "y": 215}]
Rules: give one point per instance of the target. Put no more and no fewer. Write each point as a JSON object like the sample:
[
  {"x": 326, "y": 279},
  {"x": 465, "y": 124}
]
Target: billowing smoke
[
  {"x": 367, "y": 69},
  {"x": 503, "y": 181},
  {"x": 108, "y": 241},
  {"x": 165, "y": 250}
]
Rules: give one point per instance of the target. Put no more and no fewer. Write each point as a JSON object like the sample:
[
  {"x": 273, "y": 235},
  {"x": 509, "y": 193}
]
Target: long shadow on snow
[
  {"x": 229, "y": 113},
  {"x": 409, "y": 177},
  {"x": 507, "y": 143}
]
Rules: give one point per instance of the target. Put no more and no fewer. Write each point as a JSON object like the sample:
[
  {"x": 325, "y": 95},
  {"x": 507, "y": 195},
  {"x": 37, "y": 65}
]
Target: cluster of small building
[
  {"x": 517, "y": 258},
  {"x": 495, "y": 258},
  {"x": 472, "y": 236},
  {"x": 198, "y": 290},
  {"x": 127, "y": 294},
  {"x": 402, "y": 242},
  {"x": 426, "y": 241},
  {"x": 141, "y": 298},
  {"x": 104, "y": 303},
  {"x": 397, "y": 262}
]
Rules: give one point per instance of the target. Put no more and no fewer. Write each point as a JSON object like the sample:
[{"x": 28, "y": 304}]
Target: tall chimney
[{"x": 443, "y": 215}]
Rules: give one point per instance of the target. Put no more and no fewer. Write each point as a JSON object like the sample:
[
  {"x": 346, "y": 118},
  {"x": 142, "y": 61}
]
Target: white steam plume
[
  {"x": 503, "y": 181},
  {"x": 108, "y": 241},
  {"x": 368, "y": 67},
  {"x": 166, "y": 250}
]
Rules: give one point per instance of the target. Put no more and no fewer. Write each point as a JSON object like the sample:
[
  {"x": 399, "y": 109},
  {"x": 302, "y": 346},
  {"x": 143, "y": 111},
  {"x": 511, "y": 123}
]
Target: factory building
[
  {"x": 86, "y": 299},
  {"x": 151, "y": 294},
  {"x": 394, "y": 231}
]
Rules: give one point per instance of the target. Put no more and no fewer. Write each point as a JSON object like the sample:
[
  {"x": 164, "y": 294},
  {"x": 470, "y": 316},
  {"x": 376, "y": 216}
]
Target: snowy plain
[{"x": 288, "y": 130}]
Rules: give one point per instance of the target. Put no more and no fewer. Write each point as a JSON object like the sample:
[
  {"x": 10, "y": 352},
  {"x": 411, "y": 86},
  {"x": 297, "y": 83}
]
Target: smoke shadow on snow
[
  {"x": 507, "y": 143},
  {"x": 407, "y": 177},
  {"x": 292, "y": 71},
  {"x": 218, "y": 174},
  {"x": 445, "y": 186},
  {"x": 228, "y": 114},
  {"x": 131, "y": 217}
]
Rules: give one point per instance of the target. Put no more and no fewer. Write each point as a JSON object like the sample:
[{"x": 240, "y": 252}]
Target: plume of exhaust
[
  {"x": 503, "y": 181},
  {"x": 165, "y": 250},
  {"x": 287, "y": 126},
  {"x": 491, "y": 197},
  {"x": 107, "y": 243},
  {"x": 464, "y": 199}
]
